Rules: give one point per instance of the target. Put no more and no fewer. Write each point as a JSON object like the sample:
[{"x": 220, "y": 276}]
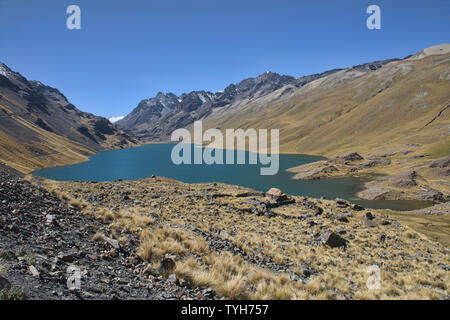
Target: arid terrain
[{"x": 223, "y": 241}]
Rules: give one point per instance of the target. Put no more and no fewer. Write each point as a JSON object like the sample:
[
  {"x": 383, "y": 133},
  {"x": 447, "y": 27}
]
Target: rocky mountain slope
[
  {"x": 41, "y": 236},
  {"x": 39, "y": 127},
  {"x": 156, "y": 118}
]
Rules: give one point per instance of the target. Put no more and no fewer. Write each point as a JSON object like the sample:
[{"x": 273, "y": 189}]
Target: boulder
[
  {"x": 406, "y": 179},
  {"x": 370, "y": 223},
  {"x": 341, "y": 203},
  {"x": 357, "y": 207},
  {"x": 334, "y": 240},
  {"x": 167, "y": 266}
]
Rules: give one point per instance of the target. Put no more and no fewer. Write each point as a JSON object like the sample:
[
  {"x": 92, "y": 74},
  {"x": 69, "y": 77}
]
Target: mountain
[
  {"x": 396, "y": 117},
  {"x": 395, "y": 113},
  {"x": 374, "y": 107},
  {"x": 39, "y": 127},
  {"x": 156, "y": 118}
]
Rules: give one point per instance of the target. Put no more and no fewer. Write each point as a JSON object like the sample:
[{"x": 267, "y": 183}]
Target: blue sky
[{"x": 129, "y": 50}]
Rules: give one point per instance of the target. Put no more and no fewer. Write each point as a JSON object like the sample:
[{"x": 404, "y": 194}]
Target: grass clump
[{"x": 14, "y": 293}]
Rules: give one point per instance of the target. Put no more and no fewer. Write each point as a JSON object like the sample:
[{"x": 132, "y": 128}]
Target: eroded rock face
[
  {"x": 441, "y": 163},
  {"x": 156, "y": 118}
]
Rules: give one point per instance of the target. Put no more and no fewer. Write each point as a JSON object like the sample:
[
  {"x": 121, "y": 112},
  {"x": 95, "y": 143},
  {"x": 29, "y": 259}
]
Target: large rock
[
  {"x": 167, "y": 266},
  {"x": 334, "y": 240},
  {"x": 406, "y": 179},
  {"x": 440, "y": 163}
]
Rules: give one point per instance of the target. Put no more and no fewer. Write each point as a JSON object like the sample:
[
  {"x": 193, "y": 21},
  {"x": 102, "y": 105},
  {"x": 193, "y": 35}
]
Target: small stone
[
  {"x": 49, "y": 220},
  {"x": 66, "y": 257},
  {"x": 341, "y": 218},
  {"x": 114, "y": 243},
  {"x": 370, "y": 223},
  {"x": 357, "y": 207},
  {"x": 34, "y": 272},
  {"x": 149, "y": 270},
  {"x": 208, "y": 292},
  {"x": 370, "y": 216},
  {"x": 172, "y": 278}
]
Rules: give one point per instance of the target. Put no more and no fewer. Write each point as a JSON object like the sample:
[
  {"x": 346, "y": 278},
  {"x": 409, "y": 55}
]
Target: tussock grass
[{"x": 176, "y": 228}]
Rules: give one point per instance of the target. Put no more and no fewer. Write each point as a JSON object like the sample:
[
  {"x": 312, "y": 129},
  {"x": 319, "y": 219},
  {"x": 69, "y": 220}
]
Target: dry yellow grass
[{"x": 178, "y": 219}]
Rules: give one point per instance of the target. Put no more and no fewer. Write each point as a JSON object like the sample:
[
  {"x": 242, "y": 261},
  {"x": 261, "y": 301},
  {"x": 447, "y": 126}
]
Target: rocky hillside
[
  {"x": 42, "y": 235},
  {"x": 156, "y": 118},
  {"x": 39, "y": 127},
  {"x": 163, "y": 238}
]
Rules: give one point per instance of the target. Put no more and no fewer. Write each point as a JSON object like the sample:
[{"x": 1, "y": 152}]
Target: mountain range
[{"x": 372, "y": 108}]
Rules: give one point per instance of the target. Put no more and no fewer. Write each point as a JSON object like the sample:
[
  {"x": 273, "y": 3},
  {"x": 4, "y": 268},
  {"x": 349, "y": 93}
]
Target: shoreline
[{"x": 412, "y": 204}]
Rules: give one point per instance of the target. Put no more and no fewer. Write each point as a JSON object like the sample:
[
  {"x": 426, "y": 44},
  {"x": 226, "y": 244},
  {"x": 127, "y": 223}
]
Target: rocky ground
[
  {"x": 158, "y": 238},
  {"x": 425, "y": 181},
  {"x": 41, "y": 236},
  {"x": 245, "y": 244}
]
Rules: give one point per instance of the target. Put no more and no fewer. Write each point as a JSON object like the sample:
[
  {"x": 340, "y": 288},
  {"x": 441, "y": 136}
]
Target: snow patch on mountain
[{"x": 115, "y": 119}]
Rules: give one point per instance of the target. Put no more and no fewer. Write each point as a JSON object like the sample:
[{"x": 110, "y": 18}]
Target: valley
[{"x": 153, "y": 237}]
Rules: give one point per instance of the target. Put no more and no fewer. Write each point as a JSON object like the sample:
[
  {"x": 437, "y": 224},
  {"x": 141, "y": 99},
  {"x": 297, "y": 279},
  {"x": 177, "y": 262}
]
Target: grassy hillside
[
  {"x": 249, "y": 245},
  {"x": 351, "y": 111},
  {"x": 397, "y": 116}
]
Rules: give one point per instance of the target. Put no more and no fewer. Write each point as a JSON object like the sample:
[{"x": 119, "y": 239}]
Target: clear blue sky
[{"x": 129, "y": 50}]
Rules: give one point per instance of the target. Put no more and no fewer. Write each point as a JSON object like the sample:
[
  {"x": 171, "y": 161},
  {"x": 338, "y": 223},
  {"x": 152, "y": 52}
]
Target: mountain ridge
[
  {"x": 153, "y": 120},
  {"x": 39, "y": 127}
]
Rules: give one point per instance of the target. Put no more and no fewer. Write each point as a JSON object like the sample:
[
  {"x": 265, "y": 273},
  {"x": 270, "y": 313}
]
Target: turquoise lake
[{"x": 155, "y": 159}]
